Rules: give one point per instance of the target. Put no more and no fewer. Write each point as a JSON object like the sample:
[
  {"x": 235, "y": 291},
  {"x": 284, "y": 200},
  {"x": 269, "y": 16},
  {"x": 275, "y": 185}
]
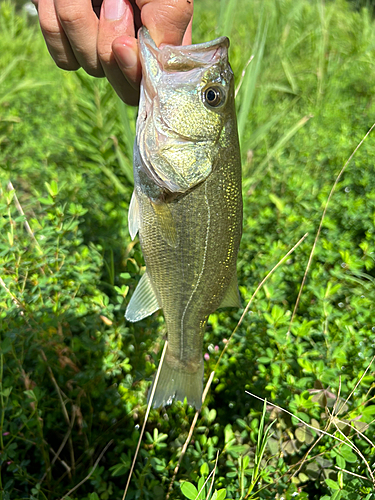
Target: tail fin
[{"x": 175, "y": 383}]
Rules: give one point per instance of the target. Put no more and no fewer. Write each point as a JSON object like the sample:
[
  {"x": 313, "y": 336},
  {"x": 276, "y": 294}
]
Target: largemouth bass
[{"x": 187, "y": 202}]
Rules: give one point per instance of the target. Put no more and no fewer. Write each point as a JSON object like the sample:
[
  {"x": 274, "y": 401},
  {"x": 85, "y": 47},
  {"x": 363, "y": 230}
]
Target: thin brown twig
[
  {"x": 183, "y": 451},
  {"x": 64, "y": 410},
  {"x": 146, "y": 417},
  {"x": 91, "y": 472},
  {"x": 321, "y": 224},
  {"x": 190, "y": 434},
  {"x": 55, "y": 457},
  {"x": 61, "y": 447}
]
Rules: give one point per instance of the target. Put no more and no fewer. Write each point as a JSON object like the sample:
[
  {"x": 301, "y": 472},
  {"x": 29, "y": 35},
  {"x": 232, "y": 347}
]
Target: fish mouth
[
  {"x": 177, "y": 58},
  {"x": 180, "y": 57}
]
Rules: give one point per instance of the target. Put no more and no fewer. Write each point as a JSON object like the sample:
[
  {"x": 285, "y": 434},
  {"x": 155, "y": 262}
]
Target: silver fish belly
[{"x": 187, "y": 202}]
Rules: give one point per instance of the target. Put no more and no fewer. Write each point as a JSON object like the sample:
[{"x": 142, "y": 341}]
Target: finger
[
  {"x": 57, "y": 43},
  {"x": 116, "y": 30},
  {"x": 125, "y": 50},
  {"x": 166, "y": 21},
  {"x": 80, "y": 25},
  {"x": 187, "y": 39}
]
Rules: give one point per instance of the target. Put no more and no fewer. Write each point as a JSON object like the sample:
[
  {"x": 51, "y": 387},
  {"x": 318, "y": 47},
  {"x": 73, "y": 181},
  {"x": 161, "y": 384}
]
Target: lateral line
[{"x": 200, "y": 274}]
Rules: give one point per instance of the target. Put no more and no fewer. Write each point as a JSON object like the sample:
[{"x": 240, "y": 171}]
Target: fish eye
[{"x": 213, "y": 96}]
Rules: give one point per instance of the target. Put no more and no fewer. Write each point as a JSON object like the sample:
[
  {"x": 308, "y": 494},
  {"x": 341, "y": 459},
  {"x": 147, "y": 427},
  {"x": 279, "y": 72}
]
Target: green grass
[{"x": 74, "y": 375}]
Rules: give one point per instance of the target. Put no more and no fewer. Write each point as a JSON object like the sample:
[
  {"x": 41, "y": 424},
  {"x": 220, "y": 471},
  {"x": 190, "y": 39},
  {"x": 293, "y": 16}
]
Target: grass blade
[
  {"x": 279, "y": 145},
  {"x": 247, "y": 91}
]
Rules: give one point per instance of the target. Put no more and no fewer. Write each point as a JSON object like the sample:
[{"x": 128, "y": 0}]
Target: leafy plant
[{"x": 74, "y": 374}]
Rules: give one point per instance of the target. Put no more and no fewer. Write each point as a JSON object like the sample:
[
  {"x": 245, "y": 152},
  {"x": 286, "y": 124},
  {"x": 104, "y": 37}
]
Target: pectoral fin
[
  {"x": 143, "y": 302},
  {"x": 133, "y": 216},
  {"x": 166, "y": 223},
  {"x": 232, "y": 297}
]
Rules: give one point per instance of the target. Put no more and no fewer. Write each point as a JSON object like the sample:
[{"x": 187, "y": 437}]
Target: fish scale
[{"x": 187, "y": 203}]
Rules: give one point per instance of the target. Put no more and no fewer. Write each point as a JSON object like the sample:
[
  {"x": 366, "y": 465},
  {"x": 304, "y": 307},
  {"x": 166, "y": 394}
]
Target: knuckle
[
  {"x": 105, "y": 55},
  {"x": 71, "y": 18},
  {"x": 51, "y": 31}
]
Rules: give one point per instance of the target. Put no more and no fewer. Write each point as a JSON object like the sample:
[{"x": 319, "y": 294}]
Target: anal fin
[{"x": 143, "y": 302}]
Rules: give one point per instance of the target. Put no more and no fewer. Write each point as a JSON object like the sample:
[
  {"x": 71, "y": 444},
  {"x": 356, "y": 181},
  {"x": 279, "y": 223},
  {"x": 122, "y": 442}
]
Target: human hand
[{"x": 100, "y": 36}]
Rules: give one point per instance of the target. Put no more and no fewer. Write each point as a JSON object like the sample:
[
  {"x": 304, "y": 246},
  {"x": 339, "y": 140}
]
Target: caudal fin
[{"x": 178, "y": 384}]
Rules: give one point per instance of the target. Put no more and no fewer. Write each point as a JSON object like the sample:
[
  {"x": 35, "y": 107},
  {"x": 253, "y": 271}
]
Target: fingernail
[
  {"x": 114, "y": 9},
  {"x": 127, "y": 58}
]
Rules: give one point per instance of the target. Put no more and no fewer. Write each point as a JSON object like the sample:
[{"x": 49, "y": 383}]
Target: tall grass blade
[
  {"x": 124, "y": 162},
  {"x": 279, "y": 145},
  {"x": 127, "y": 116},
  {"x": 114, "y": 179},
  {"x": 247, "y": 91},
  {"x": 261, "y": 132},
  {"x": 226, "y": 17},
  {"x": 5, "y": 72}
]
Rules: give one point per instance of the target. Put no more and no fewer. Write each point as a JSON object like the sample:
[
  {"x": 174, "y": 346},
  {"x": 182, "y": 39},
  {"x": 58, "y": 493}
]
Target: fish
[{"x": 187, "y": 202}]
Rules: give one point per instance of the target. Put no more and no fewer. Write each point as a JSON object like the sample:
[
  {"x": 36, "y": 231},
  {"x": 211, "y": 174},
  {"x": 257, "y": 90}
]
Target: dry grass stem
[
  {"x": 351, "y": 473},
  {"x": 213, "y": 475},
  {"x": 56, "y": 457},
  {"x": 353, "y": 446},
  {"x": 255, "y": 293},
  {"x": 64, "y": 410},
  {"x": 146, "y": 417},
  {"x": 21, "y": 212},
  {"x": 91, "y": 472},
  {"x": 321, "y": 224},
  {"x": 61, "y": 447},
  {"x": 337, "y": 399},
  {"x": 243, "y": 75},
  {"x": 15, "y": 301},
  {"x": 347, "y": 442},
  {"x": 183, "y": 451},
  {"x": 357, "y": 384}
]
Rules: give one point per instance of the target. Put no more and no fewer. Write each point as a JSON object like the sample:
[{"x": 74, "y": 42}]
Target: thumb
[{"x": 167, "y": 20}]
